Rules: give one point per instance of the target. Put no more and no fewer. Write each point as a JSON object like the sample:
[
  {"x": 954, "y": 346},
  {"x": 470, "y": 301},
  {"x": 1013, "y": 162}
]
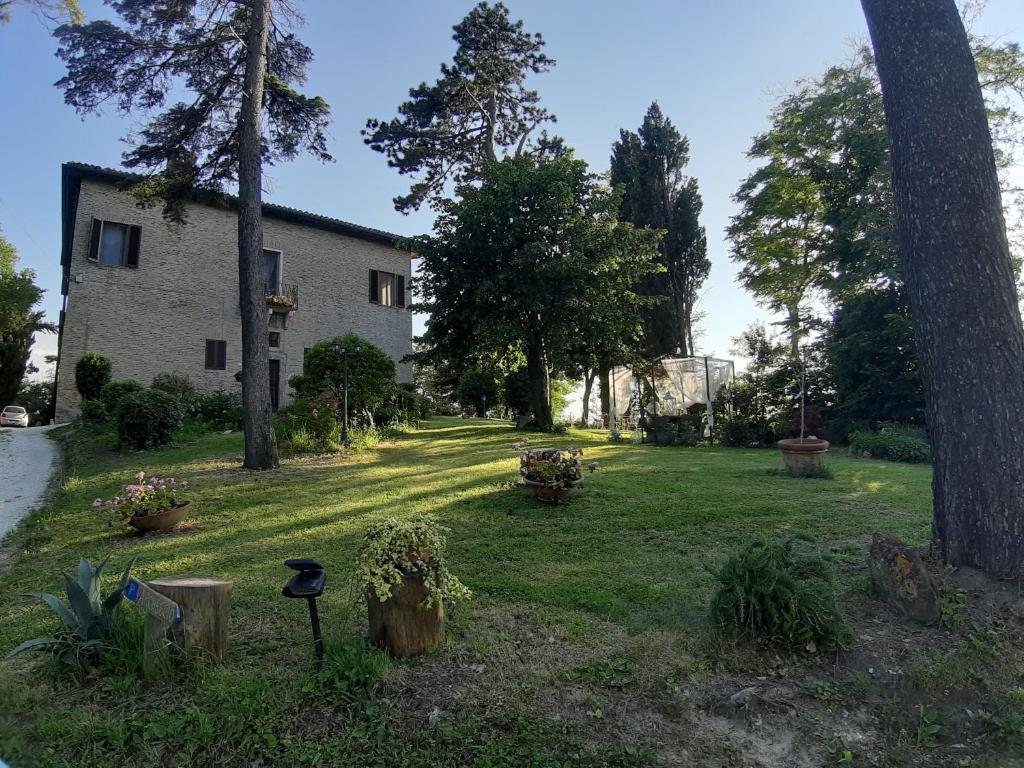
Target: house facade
[{"x": 161, "y": 297}]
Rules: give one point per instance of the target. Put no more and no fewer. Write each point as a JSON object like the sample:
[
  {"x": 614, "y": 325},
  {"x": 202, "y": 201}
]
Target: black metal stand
[
  {"x": 318, "y": 641},
  {"x": 309, "y": 584}
]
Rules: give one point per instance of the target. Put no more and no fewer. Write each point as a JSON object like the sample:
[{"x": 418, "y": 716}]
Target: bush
[
  {"x": 148, "y": 418},
  {"x": 94, "y": 412},
  {"x": 220, "y": 410},
  {"x": 310, "y": 425},
  {"x": 180, "y": 388},
  {"x": 113, "y": 392},
  {"x": 36, "y": 398},
  {"x": 746, "y": 433},
  {"x": 779, "y": 592},
  {"x": 371, "y": 374},
  {"x": 92, "y": 371},
  {"x": 893, "y": 442}
]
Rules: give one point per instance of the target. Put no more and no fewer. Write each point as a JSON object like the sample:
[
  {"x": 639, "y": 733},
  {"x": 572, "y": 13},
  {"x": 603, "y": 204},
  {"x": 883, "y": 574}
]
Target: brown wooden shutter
[
  {"x": 400, "y": 290},
  {"x": 374, "y": 292},
  {"x": 210, "y": 355},
  {"x": 134, "y": 240},
  {"x": 94, "y": 240}
]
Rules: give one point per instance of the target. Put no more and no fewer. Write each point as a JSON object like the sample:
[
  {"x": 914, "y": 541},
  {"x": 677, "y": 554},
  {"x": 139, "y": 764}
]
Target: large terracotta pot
[
  {"x": 803, "y": 456},
  {"x": 161, "y": 521},
  {"x": 552, "y": 493},
  {"x": 402, "y": 625}
]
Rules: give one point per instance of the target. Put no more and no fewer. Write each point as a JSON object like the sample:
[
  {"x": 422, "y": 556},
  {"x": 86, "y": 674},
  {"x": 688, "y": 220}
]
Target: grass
[{"x": 585, "y": 590}]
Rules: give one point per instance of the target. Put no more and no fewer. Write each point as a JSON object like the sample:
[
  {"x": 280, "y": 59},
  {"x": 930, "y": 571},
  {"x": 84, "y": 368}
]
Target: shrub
[
  {"x": 92, "y": 371},
  {"x": 892, "y": 442},
  {"x": 371, "y": 374},
  {"x": 147, "y": 418},
  {"x": 477, "y": 390},
  {"x": 779, "y": 592},
  {"x": 220, "y": 410},
  {"x": 180, "y": 388},
  {"x": 94, "y": 412},
  {"x": 310, "y": 425},
  {"x": 87, "y": 619},
  {"x": 114, "y": 391}
]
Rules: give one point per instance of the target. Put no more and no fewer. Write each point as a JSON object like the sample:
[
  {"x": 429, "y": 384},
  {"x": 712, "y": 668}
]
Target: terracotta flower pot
[
  {"x": 803, "y": 456},
  {"x": 402, "y": 625},
  {"x": 547, "y": 492},
  {"x": 161, "y": 521}
]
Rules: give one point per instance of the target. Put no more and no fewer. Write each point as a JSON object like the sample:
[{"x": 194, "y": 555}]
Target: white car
[{"x": 13, "y": 416}]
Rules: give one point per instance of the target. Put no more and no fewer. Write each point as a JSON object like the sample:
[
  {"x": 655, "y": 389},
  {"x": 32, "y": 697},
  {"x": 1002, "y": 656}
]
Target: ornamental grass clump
[
  {"x": 394, "y": 550},
  {"x": 780, "y": 592}
]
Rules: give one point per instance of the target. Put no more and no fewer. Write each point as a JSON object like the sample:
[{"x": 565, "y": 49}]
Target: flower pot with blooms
[
  {"x": 150, "y": 503},
  {"x": 553, "y": 474}
]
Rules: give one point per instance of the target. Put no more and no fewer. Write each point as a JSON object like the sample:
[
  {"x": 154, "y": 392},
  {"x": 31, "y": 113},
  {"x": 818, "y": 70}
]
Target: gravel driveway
[{"x": 26, "y": 463}]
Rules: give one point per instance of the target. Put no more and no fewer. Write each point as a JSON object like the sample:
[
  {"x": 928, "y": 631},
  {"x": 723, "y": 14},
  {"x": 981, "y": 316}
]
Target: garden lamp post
[{"x": 343, "y": 352}]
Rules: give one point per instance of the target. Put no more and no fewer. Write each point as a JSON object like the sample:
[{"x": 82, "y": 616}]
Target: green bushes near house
[
  {"x": 148, "y": 418},
  {"x": 92, "y": 371},
  {"x": 893, "y": 442},
  {"x": 113, "y": 392}
]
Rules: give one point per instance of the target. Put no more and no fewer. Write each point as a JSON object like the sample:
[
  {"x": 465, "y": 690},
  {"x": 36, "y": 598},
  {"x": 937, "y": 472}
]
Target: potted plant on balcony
[
  {"x": 403, "y": 573},
  {"x": 150, "y": 503},
  {"x": 280, "y": 301},
  {"x": 803, "y": 456},
  {"x": 552, "y": 474}
]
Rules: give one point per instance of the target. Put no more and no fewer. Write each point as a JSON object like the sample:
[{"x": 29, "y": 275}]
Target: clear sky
[{"x": 715, "y": 66}]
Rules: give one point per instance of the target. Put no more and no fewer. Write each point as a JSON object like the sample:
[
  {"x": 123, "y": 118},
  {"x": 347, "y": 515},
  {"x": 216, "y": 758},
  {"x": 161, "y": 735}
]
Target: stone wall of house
[{"x": 156, "y": 318}]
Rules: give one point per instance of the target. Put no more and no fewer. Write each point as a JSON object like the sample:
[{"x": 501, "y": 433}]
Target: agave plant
[{"x": 86, "y": 619}]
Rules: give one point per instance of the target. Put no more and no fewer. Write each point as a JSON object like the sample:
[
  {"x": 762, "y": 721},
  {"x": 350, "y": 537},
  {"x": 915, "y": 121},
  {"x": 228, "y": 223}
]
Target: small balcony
[{"x": 282, "y": 298}]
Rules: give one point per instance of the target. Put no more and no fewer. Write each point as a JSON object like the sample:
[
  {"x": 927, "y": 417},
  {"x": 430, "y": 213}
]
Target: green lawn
[{"x": 570, "y": 600}]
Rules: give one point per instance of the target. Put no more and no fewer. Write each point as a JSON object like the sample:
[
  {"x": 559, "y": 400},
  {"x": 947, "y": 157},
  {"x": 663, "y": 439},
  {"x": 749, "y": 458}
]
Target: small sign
[{"x": 152, "y": 602}]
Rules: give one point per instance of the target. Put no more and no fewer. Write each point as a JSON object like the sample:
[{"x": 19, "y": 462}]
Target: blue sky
[{"x": 716, "y": 68}]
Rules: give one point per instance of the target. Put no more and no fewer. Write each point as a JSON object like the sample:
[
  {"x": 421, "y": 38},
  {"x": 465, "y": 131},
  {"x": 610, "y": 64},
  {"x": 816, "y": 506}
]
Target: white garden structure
[{"x": 680, "y": 383}]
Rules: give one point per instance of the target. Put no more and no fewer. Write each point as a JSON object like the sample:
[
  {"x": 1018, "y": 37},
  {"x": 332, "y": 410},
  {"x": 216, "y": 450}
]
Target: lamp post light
[{"x": 343, "y": 352}]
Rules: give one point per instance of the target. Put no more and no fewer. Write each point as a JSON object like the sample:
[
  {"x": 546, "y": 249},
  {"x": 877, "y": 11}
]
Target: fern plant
[
  {"x": 86, "y": 620},
  {"x": 780, "y": 592}
]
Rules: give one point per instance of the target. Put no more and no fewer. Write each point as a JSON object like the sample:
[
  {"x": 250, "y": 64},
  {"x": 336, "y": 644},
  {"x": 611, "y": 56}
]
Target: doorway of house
[{"x": 275, "y": 384}]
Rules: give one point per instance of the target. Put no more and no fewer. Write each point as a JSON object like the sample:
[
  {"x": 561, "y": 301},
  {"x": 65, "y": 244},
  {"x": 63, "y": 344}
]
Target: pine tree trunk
[
  {"x": 537, "y": 372},
  {"x": 588, "y": 384},
  {"x": 260, "y": 443},
  {"x": 959, "y": 279},
  {"x": 604, "y": 375}
]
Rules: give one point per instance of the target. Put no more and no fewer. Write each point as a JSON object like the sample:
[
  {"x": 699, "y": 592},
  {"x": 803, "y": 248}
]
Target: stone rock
[{"x": 899, "y": 577}]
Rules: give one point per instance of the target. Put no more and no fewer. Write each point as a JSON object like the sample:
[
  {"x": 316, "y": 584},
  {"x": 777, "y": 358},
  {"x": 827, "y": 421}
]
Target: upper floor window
[
  {"x": 272, "y": 270},
  {"x": 216, "y": 354},
  {"x": 387, "y": 288},
  {"x": 115, "y": 245}
]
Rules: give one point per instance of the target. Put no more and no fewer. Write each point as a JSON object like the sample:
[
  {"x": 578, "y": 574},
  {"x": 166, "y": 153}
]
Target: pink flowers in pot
[
  {"x": 553, "y": 467},
  {"x": 145, "y": 496}
]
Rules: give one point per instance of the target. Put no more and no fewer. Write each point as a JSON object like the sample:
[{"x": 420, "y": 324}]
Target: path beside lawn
[
  {"x": 586, "y": 636},
  {"x": 26, "y": 463}
]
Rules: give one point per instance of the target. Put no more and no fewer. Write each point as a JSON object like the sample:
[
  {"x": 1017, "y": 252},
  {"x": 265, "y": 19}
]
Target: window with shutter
[
  {"x": 374, "y": 296},
  {"x": 216, "y": 354},
  {"x": 387, "y": 288},
  {"x": 112, "y": 244}
]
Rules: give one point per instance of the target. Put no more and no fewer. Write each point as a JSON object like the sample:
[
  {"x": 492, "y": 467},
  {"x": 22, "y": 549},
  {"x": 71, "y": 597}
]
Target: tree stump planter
[
  {"x": 403, "y": 625},
  {"x": 203, "y": 629},
  {"x": 803, "y": 456},
  {"x": 161, "y": 521},
  {"x": 546, "y": 492}
]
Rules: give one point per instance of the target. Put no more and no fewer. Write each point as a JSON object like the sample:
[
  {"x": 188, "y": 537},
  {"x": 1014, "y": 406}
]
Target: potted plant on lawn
[
  {"x": 404, "y": 574},
  {"x": 150, "y": 503},
  {"x": 803, "y": 456},
  {"x": 553, "y": 474}
]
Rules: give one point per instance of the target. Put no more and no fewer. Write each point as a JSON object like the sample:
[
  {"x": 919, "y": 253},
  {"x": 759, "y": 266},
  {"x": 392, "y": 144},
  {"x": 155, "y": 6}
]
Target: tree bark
[
  {"x": 540, "y": 384},
  {"x": 604, "y": 375},
  {"x": 959, "y": 279},
  {"x": 203, "y": 630},
  {"x": 402, "y": 625},
  {"x": 260, "y": 443},
  {"x": 588, "y": 384}
]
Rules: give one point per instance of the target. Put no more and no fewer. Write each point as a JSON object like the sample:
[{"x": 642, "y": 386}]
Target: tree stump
[
  {"x": 203, "y": 630},
  {"x": 402, "y": 625}
]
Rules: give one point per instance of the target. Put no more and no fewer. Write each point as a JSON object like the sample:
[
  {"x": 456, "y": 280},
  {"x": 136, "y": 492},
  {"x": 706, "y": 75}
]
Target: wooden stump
[
  {"x": 203, "y": 630},
  {"x": 402, "y": 625}
]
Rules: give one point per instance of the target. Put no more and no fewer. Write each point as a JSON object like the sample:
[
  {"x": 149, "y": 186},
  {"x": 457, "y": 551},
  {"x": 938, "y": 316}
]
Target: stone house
[{"x": 161, "y": 297}]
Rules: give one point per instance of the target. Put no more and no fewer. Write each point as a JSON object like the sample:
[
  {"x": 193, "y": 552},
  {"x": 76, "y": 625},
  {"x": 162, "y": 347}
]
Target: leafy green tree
[
  {"x": 92, "y": 373},
  {"x": 54, "y": 10},
  {"x": 36, "y": 397},
  {"x": 371, "y": 374},
  {"x": 478, "y": 388},
  {"x": 477, "y": 111},
  {"x": 656, "y": 193},
  {"x": 234, "y": 63},
  {"x": 522, "y": 261},
  {"x": 19, "y": 321}
]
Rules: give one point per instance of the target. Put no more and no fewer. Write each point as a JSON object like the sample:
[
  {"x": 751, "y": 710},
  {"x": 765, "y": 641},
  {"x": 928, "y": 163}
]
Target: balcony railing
[{"x": 283, "y": 298}]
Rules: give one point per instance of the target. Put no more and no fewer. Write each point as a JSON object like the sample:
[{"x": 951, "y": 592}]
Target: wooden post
[
  {"x": 203, "y": 630},
  {"x": 402, "y": 625}
]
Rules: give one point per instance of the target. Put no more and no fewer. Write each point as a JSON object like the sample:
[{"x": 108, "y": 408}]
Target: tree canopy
[
  {"x": 477, "y": 111},
  {"x": 525, "y": 262},
  {"x": 19, "y": 321}
]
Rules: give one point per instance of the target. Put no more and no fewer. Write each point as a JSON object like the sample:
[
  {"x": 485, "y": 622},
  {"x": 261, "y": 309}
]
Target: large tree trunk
[
  {"x": 260, "y": 444},
  {"x": 540, "y": 383},
  {"x": 604, "y": 375},
  {"x": 588, "y": 384},
  {"x": 959, "y": 278}
]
